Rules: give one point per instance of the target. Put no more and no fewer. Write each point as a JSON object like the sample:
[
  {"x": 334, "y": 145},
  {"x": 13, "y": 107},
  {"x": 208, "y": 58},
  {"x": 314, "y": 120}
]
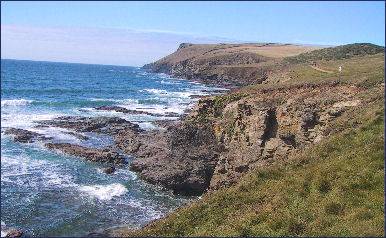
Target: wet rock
[
  {"x": 107, "y": 125},
  {"x": 24, "y": 136},
  {"x": 91, "y": 154},
  {"x": 109, "y": 170},
  {"x": 113, "y": 108},
  {"x": 14, "y": 233}
]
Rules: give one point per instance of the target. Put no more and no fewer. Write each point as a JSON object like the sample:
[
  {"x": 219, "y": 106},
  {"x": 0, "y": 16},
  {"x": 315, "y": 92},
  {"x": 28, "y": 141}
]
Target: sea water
[{"x": 46, "y": 193}]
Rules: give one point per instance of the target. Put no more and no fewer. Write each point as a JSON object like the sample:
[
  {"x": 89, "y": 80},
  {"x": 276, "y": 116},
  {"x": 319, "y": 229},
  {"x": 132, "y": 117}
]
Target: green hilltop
[{"x": 337, "y": 53}]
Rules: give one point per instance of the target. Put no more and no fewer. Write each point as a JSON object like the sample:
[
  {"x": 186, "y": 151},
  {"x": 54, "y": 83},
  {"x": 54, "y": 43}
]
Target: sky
[{"x": 135, "y": 33}]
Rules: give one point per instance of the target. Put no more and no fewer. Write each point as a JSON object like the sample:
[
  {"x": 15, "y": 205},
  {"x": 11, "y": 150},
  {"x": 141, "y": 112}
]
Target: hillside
[
  {"x": 333, "y": 189},
  {"x": 300, "y": 153},
  {"x": 225, "y": 64}
]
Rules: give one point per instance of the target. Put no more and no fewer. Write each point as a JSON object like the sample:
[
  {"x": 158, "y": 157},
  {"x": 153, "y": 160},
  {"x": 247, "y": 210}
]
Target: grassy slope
[
  {"x": 206, "y": 51},
  {"x": 334, "y": 188}
]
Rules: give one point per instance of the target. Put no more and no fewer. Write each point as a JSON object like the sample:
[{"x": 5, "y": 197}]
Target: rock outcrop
[
  {"x": 106, "y": 125},
  {"x": 273, "y": 124},
  {"x": 105, "y": 155},
  {"x": 181, "y": 158}
]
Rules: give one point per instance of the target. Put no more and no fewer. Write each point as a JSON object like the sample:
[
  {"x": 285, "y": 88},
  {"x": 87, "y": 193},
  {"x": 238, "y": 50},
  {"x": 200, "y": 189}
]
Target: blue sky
[{"x": 161, "y": 26}]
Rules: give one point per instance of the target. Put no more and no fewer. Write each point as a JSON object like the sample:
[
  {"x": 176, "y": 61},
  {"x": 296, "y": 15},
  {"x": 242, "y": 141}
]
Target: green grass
[
  {"x": 332, "y": 189},
  {"x": 337, "y": 53}
]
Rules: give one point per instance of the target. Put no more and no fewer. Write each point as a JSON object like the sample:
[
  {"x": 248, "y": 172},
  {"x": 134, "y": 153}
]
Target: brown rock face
[{"x": 222, "y": 139}]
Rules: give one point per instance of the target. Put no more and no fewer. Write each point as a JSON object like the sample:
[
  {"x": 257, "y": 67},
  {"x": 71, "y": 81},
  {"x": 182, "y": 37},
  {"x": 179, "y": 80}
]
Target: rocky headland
[{"x": 285, "y": 99}]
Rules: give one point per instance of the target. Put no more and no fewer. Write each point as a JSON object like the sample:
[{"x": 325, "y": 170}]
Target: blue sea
[{"x": 45, "y": 193}]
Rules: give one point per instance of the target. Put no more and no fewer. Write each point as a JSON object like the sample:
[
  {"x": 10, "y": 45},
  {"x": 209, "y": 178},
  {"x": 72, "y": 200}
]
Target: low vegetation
[{"x": 337, "y": 53}]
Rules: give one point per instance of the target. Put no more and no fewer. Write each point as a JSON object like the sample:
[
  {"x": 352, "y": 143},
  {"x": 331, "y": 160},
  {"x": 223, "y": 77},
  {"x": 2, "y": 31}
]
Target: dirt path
[{"x": 321, "y": 70}]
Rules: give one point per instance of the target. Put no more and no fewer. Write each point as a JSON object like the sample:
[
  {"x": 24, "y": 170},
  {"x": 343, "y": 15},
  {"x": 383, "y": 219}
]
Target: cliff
[
  {"x": 293, "y": 154},
  {"x": 225, "y": 64}
]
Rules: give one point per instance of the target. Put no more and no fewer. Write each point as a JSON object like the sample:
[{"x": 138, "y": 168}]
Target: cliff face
[
  {"x": 272, "y": 125},
  {"x": 225, "y": 64}
]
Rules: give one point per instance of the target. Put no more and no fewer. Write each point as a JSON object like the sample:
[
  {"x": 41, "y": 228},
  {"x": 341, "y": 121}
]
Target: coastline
[
  {"x": 223, "y": 138},
  {"x": 78, "y": 133}
]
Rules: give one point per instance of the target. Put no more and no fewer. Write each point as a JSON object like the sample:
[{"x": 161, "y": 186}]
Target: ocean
[{"x": 46, "y": 193}]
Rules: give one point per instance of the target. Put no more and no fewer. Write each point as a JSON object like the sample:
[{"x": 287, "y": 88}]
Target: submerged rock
[
  {"x": 24, "y": 136},
  {"x": 109, "y": 170}
]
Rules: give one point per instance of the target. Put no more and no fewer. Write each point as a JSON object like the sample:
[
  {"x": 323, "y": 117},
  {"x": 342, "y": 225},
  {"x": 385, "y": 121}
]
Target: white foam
[
  {"x": 128, "y": 100},
  {"x": 15, "y": 102},
  {"x": 24, "y": 119},
  {"x": 182, "y": 94},
  {"x": 56, "y": 133},
  {"x": 24, "y": 171},
  {"x": 4, "y": 232},
  {"x": 169, "y": 82},
  {"x": 104, "y": 192},
  {"x": 155, "y": 91},
  {"x": 147, "y": 126}
]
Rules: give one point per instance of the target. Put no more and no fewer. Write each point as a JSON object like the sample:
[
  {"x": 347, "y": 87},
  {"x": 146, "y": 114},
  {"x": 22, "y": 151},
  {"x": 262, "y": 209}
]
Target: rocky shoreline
[
  {"x": 223, "y": 137},
  {"x": 217, "y": 142}
]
